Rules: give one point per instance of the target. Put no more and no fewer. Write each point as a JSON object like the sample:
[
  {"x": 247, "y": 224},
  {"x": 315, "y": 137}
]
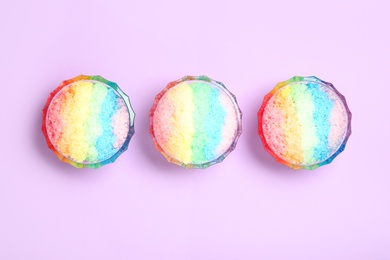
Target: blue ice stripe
[
  {"x": 214, "y": 126},
  {"x": 321, "y": 116},
  {"x": 105, "y": 142}
]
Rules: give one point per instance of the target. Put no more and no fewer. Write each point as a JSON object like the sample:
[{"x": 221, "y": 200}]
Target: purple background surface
[{"x": 142, "y": 207}]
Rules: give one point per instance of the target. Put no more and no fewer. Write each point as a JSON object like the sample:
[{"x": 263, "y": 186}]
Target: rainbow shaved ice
[
  {"x": 88, "y": 121},
  {"x": 195, "y": 122},
  {"x": 304, "y": 122}
]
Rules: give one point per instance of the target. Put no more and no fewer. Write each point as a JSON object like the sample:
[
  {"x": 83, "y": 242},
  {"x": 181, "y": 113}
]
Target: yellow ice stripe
[
  {"x": 291, "y": 128},
  {"x": 76, "y": 111},
  {"x": 183, "y": 130}
]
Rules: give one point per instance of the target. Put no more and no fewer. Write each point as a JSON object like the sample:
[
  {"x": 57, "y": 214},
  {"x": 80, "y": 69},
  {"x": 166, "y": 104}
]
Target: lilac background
[{"x": 142, "y": 207}]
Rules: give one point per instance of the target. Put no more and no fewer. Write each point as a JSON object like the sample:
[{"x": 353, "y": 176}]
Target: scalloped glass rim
[
  {"x": 280, "y": 85},
  {"x": 116, "y": 88},
  {"x": 221, "y": 86}
]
